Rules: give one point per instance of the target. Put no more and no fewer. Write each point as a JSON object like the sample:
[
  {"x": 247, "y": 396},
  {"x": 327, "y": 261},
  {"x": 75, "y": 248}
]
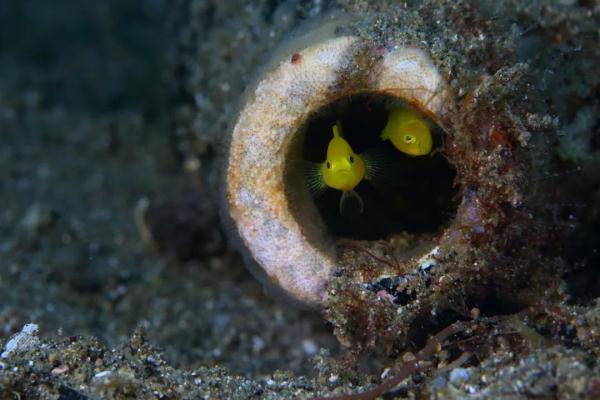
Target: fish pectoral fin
[
  {"x": 351, "y": 204},
  {"x": 381, "y": 166},
  {"x": 313, "y": 178}
]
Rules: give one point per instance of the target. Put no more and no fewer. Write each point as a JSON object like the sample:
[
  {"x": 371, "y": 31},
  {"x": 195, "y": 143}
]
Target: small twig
[
  {"x": 463, "y": 358},
  {"x": 474, "y": 338},
  {"x": 433, "y": 345},
  {"x": 358, "y": 248}
]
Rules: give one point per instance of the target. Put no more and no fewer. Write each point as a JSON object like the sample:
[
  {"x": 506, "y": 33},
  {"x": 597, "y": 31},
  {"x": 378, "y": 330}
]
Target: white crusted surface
[
  {"x": 23, "y": 340},
  {"x": 256, "y": 191},
  {"x": 409, "y": 73},
  {"x": 429, "y": 260}
]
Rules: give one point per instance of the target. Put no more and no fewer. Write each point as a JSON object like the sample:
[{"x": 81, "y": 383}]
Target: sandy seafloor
[
  {"x": 85, "y": 138},
  {"x": 86, "y": 143}
]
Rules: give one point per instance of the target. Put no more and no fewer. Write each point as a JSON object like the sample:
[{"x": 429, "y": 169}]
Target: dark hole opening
[
  {"x": 412, "y": 194},
  {"x": 493, "y": 305},
  {"x": 428, "y": 325}
]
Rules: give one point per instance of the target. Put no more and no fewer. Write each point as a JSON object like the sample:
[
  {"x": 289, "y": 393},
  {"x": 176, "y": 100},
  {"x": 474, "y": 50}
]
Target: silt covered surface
[{"x": 111, "y": 123}]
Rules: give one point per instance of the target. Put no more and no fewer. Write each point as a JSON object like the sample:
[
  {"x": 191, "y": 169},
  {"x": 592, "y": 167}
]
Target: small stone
[
  {"x": 102, "y": 375},
  {"x": 257, "y": 344},
  {"x": 385, "y": 373},
  {"x": 53, "y": 359},
  {"x": 459, "y": 375},
  {"x": 37, "y": 218},
  {"x": 60, "y": 370},
  {"x": 23, "y": 340},
  {"x": 310, "y": 347},
  {"x": 153, "y": 360},
  {"x": 192, "y": 165},
  {"x": 438, "y": 383}
]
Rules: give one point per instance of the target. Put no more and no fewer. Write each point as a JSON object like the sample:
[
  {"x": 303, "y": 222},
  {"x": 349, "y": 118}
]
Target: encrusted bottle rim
[{"x": 297, "y": 256}]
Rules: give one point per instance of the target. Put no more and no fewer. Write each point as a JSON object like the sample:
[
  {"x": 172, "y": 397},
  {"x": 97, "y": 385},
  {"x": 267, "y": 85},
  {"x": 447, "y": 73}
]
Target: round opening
[{"x": 414, "y": 194}]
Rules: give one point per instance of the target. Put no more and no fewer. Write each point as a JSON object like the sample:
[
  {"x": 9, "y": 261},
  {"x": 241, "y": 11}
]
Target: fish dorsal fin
[
  {"x": 338, "y": 146},
  {"x": 337, "y": 129}
]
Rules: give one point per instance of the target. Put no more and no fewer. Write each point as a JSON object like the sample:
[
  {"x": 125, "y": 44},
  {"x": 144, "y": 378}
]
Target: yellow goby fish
[
  {"x": 408, "y": 132},
  {"x": 342, "y": 170}
]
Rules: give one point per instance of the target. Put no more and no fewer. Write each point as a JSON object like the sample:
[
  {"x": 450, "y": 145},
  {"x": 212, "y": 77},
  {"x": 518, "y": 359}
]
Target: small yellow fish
[
  {"x": 408, "y": 132},
  {"x": 342, "y": 170}
]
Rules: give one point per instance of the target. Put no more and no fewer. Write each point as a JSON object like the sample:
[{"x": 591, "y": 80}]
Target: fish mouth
[
  {"x": 345, "y": 178},
  {"x": 344, "y": 174}
]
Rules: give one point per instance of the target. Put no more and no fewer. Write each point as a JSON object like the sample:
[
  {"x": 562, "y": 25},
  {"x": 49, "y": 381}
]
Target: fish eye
[
  {"x": 351, "y": 159},
  {"x": 409, "y": 139},
  {"x": 328, "y": 165}
]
